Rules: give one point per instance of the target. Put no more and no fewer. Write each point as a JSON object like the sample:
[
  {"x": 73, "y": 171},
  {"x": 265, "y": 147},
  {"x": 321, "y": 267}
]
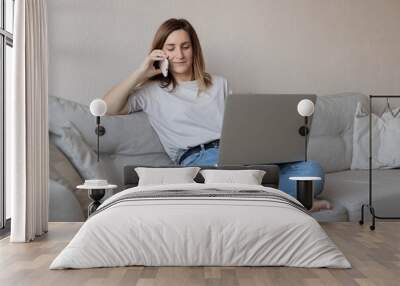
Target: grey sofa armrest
[
  {"x": 63, "y": 173},
  {"x": 63, "y": 205}
]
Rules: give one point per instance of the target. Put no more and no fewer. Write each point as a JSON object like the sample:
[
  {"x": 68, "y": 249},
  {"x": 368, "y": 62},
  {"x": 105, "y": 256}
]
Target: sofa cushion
[
  {"x": 62, "y": 172},
  {"x": 350, "y": 189},
  {"x": 110, "y": 167},
  {"x": 331, "y": 135},
  {"x": 82, "y": 156},
  {"x": 129, "y": 134}
]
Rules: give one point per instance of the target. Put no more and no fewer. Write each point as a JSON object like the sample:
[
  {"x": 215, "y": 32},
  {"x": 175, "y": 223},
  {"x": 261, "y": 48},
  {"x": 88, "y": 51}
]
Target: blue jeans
[
  {"x": 209, "y": 157},
  {"x": 206, "y": 157},
  {"x": 299, "y": 169}
]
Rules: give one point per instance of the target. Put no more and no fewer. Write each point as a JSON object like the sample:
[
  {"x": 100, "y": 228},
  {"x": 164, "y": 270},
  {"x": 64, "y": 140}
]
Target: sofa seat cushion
[{"x": 350, "y": 189}]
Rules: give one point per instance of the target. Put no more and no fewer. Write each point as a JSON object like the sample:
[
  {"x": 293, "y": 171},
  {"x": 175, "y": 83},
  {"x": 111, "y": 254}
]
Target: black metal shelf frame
[{"x": 370, "y": 202}]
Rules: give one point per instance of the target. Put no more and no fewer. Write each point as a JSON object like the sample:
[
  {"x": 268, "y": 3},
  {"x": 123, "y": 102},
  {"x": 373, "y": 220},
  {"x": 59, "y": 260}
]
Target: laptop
[{"x": 262, "y": 129}]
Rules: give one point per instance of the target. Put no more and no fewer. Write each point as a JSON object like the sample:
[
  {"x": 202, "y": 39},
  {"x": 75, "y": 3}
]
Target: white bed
[{"x": 185, "y": 230}]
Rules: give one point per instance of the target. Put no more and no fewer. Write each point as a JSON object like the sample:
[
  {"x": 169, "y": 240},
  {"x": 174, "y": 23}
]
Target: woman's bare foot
[{"x": 320, "y": 205}]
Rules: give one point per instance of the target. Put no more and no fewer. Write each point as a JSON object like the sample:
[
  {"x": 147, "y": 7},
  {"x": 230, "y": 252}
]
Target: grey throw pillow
[
  {"x": 80, "y": 153},
  {"x": 61, "y": 169},
  {"x": 63, "y": 172}
]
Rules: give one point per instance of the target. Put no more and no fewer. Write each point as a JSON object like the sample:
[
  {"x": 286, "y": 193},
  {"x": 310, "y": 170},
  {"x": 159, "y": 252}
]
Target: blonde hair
[{"x": 198, "y": 66}]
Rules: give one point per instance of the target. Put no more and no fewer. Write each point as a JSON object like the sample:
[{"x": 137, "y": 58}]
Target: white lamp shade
[
  {"x": 98, "y": 107},
  {"x": 305, "y": 107}
]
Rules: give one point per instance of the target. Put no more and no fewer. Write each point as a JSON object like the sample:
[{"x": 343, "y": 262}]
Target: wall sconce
[
  {"x": 305, "y": 108},
  {"x": 98, "y": 108}
]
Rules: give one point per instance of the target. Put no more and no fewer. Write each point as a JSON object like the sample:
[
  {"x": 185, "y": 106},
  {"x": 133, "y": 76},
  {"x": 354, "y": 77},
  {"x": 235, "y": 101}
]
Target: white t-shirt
[{"x": 182, "y": 118}]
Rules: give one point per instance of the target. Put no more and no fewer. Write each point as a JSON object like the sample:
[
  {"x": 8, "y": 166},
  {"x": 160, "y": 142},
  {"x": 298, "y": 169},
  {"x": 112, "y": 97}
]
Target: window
[
  {"x": 6, "y": 44},
  {"x": 9, "y": 16}
]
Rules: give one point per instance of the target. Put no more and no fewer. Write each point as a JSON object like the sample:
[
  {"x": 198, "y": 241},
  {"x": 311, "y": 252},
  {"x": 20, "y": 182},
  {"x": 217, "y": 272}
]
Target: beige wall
[{"x": 318, "y": 46}]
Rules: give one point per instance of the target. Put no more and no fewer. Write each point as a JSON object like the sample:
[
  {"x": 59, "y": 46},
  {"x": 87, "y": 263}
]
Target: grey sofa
[
  {"x": 130, "y": 140},
  {"x": 331, "y": 143}
]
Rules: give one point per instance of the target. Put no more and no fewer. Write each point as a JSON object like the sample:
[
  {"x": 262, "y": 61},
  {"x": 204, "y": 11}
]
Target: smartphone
[
  {"x": 156, "y": 65},
  {"x": 163, "y": 66}
]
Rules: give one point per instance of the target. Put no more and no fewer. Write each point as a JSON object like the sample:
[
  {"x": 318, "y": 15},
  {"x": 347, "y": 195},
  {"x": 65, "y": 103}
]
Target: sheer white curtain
[{"x": 27, "y": 146}]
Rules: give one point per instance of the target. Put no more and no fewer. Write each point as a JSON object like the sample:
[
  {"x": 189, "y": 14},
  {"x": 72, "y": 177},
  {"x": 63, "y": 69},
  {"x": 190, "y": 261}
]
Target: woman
[{"x": 186, "y": 107}]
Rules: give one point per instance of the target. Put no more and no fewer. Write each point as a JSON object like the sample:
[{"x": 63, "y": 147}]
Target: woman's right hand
[
  {"x": 117, "y": 97},
  {"x": 147, "y": 69}
]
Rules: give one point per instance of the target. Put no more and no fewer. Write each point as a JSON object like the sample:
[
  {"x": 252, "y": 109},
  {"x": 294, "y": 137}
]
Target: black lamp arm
[
  {"x": 306, "y": 138},
  {"x": 304, "y": 131},
  {"x": 100, "y": 131}
]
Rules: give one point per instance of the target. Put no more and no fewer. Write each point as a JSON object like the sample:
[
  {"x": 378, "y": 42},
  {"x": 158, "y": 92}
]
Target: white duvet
[{"x": 200, "y": 231}]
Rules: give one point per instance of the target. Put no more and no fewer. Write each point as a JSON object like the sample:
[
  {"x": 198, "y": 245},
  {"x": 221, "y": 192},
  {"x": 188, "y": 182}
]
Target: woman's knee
[
  {"x": 315, "y": 169},
  {"x": 300, "y": 169}
]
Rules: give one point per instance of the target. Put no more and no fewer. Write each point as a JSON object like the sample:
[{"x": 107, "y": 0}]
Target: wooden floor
[{"x": 375, "y": 257}]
